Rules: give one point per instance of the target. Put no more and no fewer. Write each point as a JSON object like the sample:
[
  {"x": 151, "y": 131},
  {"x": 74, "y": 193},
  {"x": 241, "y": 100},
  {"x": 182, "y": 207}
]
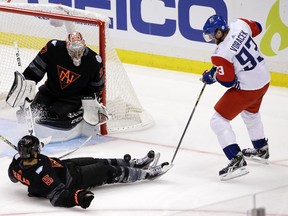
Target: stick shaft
[
  {"x": 27, "y": 107},
  {"x": 70, "y": 152},
  {"x": 184, "y": 132},
  {"x": 8, "y": 142}
]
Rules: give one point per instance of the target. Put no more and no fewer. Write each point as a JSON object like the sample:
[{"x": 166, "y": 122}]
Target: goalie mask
[
  {"x": 29, "y": 147},
  {"x": 75, "y": 46}
]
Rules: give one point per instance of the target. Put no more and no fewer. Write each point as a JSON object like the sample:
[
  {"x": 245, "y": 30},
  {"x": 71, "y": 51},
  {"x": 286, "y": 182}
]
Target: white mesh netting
[{"x": 32, "y": 31}]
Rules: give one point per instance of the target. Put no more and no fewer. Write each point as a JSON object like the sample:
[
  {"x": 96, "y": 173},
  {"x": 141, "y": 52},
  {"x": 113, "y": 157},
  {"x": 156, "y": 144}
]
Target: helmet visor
[{"x": 208, "y": 37}]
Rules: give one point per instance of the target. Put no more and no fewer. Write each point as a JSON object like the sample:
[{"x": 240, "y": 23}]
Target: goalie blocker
[{"x": 20, "y": 90}]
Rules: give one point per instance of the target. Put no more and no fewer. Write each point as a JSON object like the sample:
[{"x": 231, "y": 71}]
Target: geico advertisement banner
[{"x": 174, "y": 27}]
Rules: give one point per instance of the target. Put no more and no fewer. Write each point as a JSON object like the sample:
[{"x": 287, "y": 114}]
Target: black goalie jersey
[{"x": 64, "y": 79}]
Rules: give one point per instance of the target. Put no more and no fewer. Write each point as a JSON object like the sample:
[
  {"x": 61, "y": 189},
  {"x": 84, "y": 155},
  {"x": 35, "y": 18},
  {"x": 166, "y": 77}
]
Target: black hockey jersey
[
  {"x": 64, "y": 79},
  {"x": 48, "y": 178}
]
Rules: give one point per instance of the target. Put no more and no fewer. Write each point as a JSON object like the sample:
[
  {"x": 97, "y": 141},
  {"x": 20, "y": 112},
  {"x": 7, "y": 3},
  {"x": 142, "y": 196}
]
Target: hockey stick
[
  {"x": 72, "y": 151},
  {"x": 43, "y": 142},
  {"x": 8, "y": 142},
  {"x": 28, "y": 116},
  {"x": 177, "y": 148},
  {"x": 27, "y": 102}
]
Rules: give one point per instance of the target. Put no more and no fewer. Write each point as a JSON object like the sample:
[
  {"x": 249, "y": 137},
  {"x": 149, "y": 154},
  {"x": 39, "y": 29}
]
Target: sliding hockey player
[
  {"x": 238, "y": 66},
  {"x": 74, "y": 83},
  {"x": 65, "y": 182}
]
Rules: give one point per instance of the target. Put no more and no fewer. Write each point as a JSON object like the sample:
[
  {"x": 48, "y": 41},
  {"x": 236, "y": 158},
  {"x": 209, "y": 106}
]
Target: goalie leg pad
[
  {"x": 95, "y": 113},
  {"x": 20, "y": 90}
]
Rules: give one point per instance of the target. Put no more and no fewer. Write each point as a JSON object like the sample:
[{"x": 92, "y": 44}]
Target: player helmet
[
  {"x": 212, "y": 24},
  {"x": 28, "y": 146},
  {"x": 75, "y": 46}
]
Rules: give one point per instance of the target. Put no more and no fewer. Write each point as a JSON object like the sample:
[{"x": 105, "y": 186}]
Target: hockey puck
[
  {"x": 151, "y": 154},
  {"x": 127, "y": 157}
]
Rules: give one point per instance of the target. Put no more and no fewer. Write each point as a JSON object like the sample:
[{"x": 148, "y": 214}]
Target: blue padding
[
  {"x": 231, "y": 151},
  {"x": 259, "y": 26},
  {"x": 259, "y": 143}
]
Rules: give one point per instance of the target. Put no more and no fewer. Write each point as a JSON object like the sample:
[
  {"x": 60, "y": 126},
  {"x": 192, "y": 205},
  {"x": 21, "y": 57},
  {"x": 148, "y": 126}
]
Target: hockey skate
[
  {"x": 236, "y": 168},
  {"x": 258, "y": 155},
  {"x": 145, "y": 162},
  {"x": 156, "y": 171}
]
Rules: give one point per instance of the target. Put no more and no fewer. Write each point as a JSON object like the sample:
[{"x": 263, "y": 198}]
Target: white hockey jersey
[{"x": 238, "y": 60}]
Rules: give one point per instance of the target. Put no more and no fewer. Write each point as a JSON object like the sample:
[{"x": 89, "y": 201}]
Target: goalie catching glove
[
  {"x": 20, "y": 90},
  {"x": 95, "y": 113}
]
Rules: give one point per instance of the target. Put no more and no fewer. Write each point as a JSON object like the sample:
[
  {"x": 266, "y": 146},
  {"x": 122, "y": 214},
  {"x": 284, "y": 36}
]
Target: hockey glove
[
  {"x": 209, "y": 77},
  {"x": 83, "y": 198},
  {"x": 20, "y": 90},
  {"x": 95, "y": 113}
]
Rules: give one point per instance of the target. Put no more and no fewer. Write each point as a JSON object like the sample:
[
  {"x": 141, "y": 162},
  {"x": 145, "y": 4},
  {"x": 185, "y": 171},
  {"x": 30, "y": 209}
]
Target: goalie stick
[
  {"x": 27, "y": 102},
  {"x": 28, "y": 116},
  {"x": 178, "y": 146}
]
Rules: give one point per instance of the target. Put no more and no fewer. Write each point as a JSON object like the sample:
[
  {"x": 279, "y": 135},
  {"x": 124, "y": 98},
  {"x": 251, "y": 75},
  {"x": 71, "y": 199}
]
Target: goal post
[{"x": 31, "y": 26}]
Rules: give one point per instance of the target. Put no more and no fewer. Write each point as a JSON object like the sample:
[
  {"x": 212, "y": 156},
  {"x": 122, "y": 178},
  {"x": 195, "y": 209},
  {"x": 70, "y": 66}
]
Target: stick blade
[{"x": 45, "y": 140}]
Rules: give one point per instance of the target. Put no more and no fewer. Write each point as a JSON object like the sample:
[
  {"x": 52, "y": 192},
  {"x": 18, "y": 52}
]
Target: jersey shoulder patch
[
  {"x": 16, "y": 156},
  {"x": 98, "y": 58},
  {"x": 54, "y": 42},
  {"x": 39, "y": 170}
]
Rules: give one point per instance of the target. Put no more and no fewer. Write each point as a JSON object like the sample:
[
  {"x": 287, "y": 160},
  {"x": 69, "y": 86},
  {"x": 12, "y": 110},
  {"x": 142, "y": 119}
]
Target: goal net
[{"x": 31, "y": 26}]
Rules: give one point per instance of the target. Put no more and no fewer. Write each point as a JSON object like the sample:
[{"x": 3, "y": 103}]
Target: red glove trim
[{"x": 76, "y": 196}]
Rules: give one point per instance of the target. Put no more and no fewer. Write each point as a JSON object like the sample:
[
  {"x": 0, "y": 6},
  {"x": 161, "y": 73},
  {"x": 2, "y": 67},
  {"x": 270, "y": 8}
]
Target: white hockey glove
[
  {"x": 20, "y": 90},
  {"x": 95, "y": 113}
]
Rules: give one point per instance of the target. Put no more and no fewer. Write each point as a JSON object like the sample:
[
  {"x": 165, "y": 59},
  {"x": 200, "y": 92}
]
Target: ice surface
[{"x": 192, "y": 186}]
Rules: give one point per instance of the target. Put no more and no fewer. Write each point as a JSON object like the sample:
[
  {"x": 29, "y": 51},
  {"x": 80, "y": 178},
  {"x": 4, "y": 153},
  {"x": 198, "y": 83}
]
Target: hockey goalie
[{"x": 68, "y": 104}]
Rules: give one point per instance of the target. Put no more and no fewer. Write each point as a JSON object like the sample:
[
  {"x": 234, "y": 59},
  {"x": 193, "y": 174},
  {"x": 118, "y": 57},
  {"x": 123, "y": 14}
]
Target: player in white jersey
[{"x": 239, "y": 66}]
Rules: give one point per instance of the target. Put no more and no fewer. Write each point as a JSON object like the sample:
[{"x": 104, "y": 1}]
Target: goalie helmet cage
[{"x": 44, "y": 22}]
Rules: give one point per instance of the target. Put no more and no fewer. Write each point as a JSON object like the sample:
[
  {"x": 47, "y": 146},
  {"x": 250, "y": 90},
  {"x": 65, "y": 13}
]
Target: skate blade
[
  {"x": 152, "y": 163},
  {"x": 156, "y": 160},
  {"x": 258, "y": 160},
  {"x": 235, "y": 174},
  {"x": 165, "y": 169}
]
